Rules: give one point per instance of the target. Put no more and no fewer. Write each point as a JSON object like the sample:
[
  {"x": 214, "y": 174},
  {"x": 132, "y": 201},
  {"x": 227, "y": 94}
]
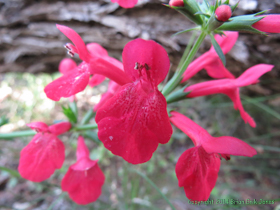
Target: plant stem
[
  {"x": 8, "y": 136},
  {"x": 155, "y": 187},
  {"x": 176, "y": 79},
  {"x": 85, "y": 127}
]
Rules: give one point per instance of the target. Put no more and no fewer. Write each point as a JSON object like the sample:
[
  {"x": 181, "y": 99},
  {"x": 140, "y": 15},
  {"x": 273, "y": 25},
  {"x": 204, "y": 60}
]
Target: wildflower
[
  {"x": 45, "y": 153},
  {"x": 223, "y": 13},
  {"x": 76, "y": 81},
  {"x": 210, "y": 60},
  {"x": 197, "y": 168},
  {"x": 230, "y": 87},
  {"x": 134, "y": 121},
  {"x": 84, "y": 179},
  {"x": 126, "y": 3},
  {"x": 269, "y": 24}
]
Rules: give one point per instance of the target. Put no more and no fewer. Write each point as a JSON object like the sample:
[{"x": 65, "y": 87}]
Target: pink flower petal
[
  {"x": 97, "y": 50},
  {"x": 112, "y": 89},
  {"x": 269, "y": 24},
  {"x": 126, "y": 3},
  {"x": 77, "y": 40},
  {"x": 196, "y": 133},
  {"x": 217, "y": 70},
  {"x": 226, "y": 42},
  {"x": 38, "y": 126},
  {"x": 84, "y": 179},
  {"x": 133, "y": 122},
  {"x": 197, "y": 171},
  {"x": 145, "y": 60},
  {"x": 228, "y": 145},
  {"x": 66, "y": 65},
  {"x": 60, "y": 128},
  {"x": 251, "y": 75},
  {"x": 69, "y": 84},
  {"x": 96, "y": 80},
  {"x": 41, "y": 157}
]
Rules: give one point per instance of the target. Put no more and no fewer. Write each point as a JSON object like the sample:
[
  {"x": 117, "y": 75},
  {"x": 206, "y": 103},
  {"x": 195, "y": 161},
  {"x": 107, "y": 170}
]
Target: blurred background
[{"x": 30, "y": 50}]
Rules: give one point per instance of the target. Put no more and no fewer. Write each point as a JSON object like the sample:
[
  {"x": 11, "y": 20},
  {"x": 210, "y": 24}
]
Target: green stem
[
  {"x": 154, "y": 186},
  {"x": 15, "y": 134},
  {"x": 85, "y": 127},
  {"x": 176, "y": 79},
  {"x": 87, "y": 117}
]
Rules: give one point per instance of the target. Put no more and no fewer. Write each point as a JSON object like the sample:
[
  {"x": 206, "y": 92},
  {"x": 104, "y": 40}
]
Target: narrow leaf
[
  {"x": 218, "y": 49},
  {"x": 67, "y": 111},
  {"x": 185, "y": 31}
]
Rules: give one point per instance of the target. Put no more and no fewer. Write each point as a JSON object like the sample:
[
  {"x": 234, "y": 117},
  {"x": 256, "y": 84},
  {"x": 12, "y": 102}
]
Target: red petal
[
  {"x": 133, "y": 122},
  {"x": 197, "y": 172},
  {"x": 217, "y": 70},
  {"x": 38, "y": 126},
  {"x": 112, "y": 89},
  {"x": 126, "y": 3},
  {"x": 77, "y": 40},
  {"x": 41, "y": 157},
  {"x": 251, "y": 75},
  {"x": 269, "y": 24},
  {"x": 82, "y": 150},
  {"x": 142, "y": 54},
  {"x": 226, "y": 42},
  {"x": 69, "y": 84},
  {"x": 97, "y": 50},
  {"x": 83, "y": 181},
  {"x": 96, "y": 80},
  {"x": 228, "y": 145},
  {"x": 60, "y": 128},
  {"x": 66, "y": 65},
  {"x": 189, "y": 127}
]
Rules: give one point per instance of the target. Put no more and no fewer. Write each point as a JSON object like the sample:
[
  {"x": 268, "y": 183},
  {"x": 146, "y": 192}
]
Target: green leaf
[
  {"x": 3, "y": 120},
  {"x": 68, "y": 112},
  {"x": 12, "y": 172},
  {"x": 87, "y": 117},
  {"x": 92, "y": 136},
  {"x": 185, "y": 31},
  {"x": 218, "y": 49},
  {"x": 177, "y": 95}
]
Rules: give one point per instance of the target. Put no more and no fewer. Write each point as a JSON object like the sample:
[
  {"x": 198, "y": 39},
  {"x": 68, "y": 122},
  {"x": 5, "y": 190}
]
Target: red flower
[
  {"x": 269, "y": 24},
  {"x": 223, "y": 13},
  {"x": 197, "y": 168},
  {"x": 45, "y": 153},
  {"x": 134, "y": 121},
  {"x": 76, "y": 81},
  {"x": 84, "y": 179},
  {"x": 230, "y": 87},
  {"x": 126, "y": 3},
  {"x": 210, "y": 60}
]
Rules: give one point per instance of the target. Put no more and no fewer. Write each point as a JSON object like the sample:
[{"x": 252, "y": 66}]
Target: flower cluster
[{"x": 132, "y": 116}]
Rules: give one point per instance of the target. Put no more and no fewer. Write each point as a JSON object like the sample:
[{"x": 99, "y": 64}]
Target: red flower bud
[
  {"x": 223, "y": 13},
  {"x": 176, "y": 3}
]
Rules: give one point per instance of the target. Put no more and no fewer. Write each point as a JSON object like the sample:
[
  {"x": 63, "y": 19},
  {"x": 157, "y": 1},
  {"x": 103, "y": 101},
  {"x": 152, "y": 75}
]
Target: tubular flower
[
  {"x": 197, "y": 168},
  {"x": 76, "y": 80},
  {"x": 134, "y": 121},
  {"x": 84, "y": 179},
  {"x": 126, "y": 3},
  {"x": 230, "y": 87},
  {"x": 210, "y": 60},
  {"x": 45, "y": 153},
  {"x": 269, "y": 24}
]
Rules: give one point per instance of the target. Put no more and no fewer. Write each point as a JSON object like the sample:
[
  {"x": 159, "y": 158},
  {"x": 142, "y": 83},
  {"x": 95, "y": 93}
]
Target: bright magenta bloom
[
  {"x": 230, "y": 87},
  {"x": 210, "y": 60},
  {"x": 126, "y": 3},
  {"x": 84, "y": 179},
  {"x": 269, "y": 24},
  {"x": 176, "y": 3},
  {"x": 197, "y": 168},
  {"x": 134, "y": 121},
  {"x": 45, "y": 153},
  {"x": 76, "y": 80}
]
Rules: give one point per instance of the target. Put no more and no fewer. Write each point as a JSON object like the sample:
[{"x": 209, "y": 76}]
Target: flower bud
[
  {"x": 223, "y": 13},
  {"x": 176, "y": 3}
]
